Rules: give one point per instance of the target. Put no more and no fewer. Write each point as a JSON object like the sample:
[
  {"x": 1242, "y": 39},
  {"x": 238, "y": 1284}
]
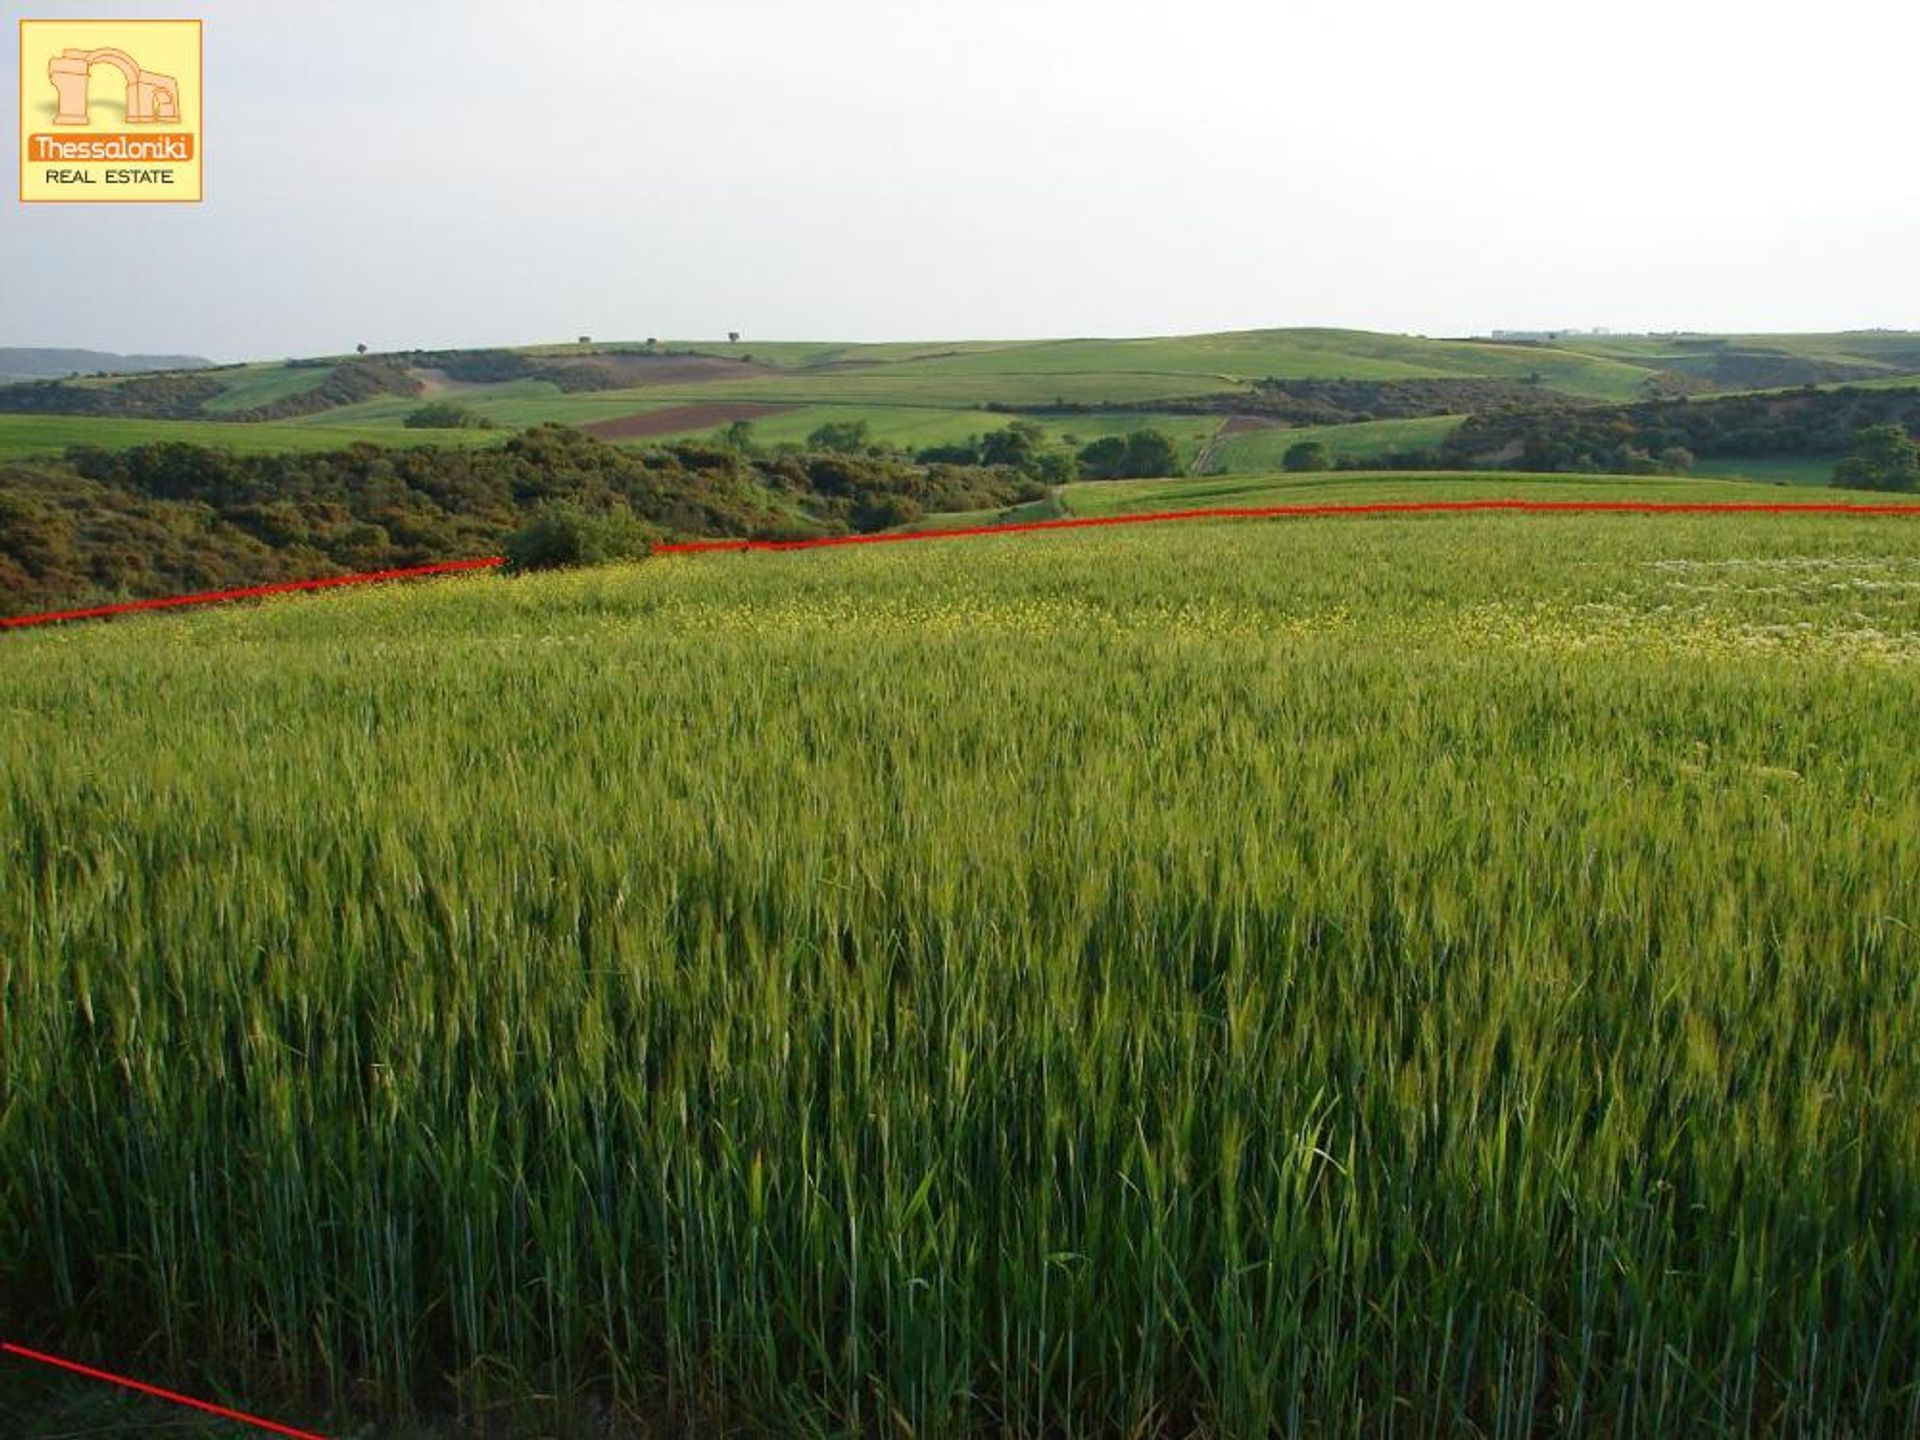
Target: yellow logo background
[{"x": 168, "y": 48}]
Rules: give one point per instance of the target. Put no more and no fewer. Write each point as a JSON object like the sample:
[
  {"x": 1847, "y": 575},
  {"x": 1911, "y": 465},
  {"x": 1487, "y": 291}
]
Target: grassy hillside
[
  {"x": 1222, "y": 397},
  {"x": 1120, "y": 497},
  {"x": 1749, "y": 362},
  {"x": 1217, "y": 979},
  {"x": 256, "y": 385},
  {"x": 1256, "y": 450},
  {"x": 26, "y": 435},
  {"x": 1812, "y": 470}
]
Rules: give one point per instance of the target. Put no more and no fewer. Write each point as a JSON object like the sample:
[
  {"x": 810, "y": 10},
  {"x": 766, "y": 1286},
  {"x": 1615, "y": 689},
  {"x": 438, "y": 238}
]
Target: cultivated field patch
[
  {"x": 678, "y": 419},
  {"x": 743, "y": 984}
]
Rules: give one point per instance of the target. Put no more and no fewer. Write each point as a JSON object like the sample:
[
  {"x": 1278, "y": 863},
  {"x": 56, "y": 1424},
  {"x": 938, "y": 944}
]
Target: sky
[{"x": 424, "y": 173}]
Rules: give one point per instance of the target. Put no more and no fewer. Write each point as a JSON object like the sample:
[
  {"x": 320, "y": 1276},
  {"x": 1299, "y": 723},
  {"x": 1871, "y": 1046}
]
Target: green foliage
[
  {"x": 847, "y": 436},
  {"x": 1022, "y": 445},
  {"x": 1884, "y": 458},
  {"x": 1308, "y": 455},
  {"x": 916, "y": 396},
  {"x": 1220, "y": 980},
  {"x": 1377, "y": 444},
  {"x": 1105, "y": 458},
  {"x": 885, "y": 512},
  {"x": 563, "y": 534},
  {"x": 160, "y": 518},
  {"x": 1018, "y": 445},
  {"x": 1056, "y": 467},
  {"x": 446, "y": 415},
  {"x": 152, "y": 397},
  {"x": 1150, "y": 453},
  {"x": 953, "y": 452},
  {"x": 1140, "y": 454},
  {"x": 1620, "y": 439}
]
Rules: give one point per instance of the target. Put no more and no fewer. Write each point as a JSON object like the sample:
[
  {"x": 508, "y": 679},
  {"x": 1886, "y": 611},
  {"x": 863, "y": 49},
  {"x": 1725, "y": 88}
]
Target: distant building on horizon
[{"x": 1568, "y": 334}]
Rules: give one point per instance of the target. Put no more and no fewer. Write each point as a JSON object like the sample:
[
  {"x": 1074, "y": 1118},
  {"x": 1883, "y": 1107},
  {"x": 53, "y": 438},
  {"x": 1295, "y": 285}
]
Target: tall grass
[{"x": 1320, "y": 978}]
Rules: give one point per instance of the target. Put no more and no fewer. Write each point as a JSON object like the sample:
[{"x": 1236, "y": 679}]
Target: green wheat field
[{"x": 1426, "y": 976}]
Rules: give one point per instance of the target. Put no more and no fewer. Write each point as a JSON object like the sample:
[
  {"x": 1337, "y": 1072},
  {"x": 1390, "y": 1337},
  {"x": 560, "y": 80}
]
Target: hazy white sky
[{"x": 424, "y": 172}]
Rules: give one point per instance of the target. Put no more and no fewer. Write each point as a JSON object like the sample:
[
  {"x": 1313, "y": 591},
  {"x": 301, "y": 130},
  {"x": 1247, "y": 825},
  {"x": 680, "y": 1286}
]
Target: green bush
[
  {"x": 1056, "y": 467},
  {"x": 161, "y": 518},
  {"x": 841, "y": 436},
  {"x": 1307, "y": 455},
  {"x": 1142, "y": 455},
  {"x": 1884, "y": 458},
  {"x": 446, "y": 415},
  {"x": 885, "y": 512},
  {"x": 1017, "y": 445},
  {"x": 561, "y": 535}
]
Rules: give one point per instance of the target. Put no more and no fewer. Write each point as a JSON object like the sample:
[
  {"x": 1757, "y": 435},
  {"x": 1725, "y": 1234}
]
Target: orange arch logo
[{"x": 152, "y": 99}]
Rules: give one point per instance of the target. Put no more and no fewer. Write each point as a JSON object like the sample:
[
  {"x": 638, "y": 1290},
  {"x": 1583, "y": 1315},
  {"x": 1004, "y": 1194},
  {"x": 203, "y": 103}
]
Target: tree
[
  {"x": 738, "y": 436},
  {"x": 446, "y": 415},
  {"x": 1016, "y": 445},
  {"x": 1305, "y": 455},
  {"x": 1141, "y": 455},
  {"x": 1632, "y": 460},
  {"x": 1105, "y": 458},
  {"x": 1676, "y": 460},
  {"x": 1883, "y": 458},
  {"x": 562, "y": 534},
  {"x": 956, "y": 452},
  {"x": 586, "y": 340},
  {"x": 733, "y": 337},
  {"x": 361, "y": 348},
  {"x": 1056, "y": 467},
  {"x": 842, "y": 436},
  {"x": 885, "y": 512},
  {"x": 1152, "y": 453}
]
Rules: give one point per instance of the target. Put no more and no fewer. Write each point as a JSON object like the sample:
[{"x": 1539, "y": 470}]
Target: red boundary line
[
  {"x": 1250, "y": 512},
  {"x": 217, "y": 597},
  {"x": 187, "y": 1400}
]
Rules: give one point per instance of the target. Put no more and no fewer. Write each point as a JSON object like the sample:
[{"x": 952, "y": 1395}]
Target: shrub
[
  {"x": 1056, "y": 467},
  {"x": 1017, "y": 445},
  {"x": 562, "y": 534},
  {"x": 1151, "y": 453},
  {"x": 1105, "y": 458},
  {"x": 1307, "y": 455},
  {"x": 1883, "y": 458},
  {"x": 960, "y": 452},
  {"x": 446, "y": 415},
  {"x": 1141, "y": 455},
  {"x": 843, "y": 436},
  {"x": 885, "y": 512}
]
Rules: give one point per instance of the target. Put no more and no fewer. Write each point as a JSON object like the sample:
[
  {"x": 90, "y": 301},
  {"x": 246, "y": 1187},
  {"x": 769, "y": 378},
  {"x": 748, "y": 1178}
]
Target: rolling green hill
[
  {"x": 1223, "y": 398},
  {"x": 28, "y": 435}
]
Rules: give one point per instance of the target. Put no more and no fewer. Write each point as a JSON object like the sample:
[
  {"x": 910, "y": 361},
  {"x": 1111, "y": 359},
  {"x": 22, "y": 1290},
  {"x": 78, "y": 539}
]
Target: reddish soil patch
[
  {"x": 677, "y": 418},
  {"x": 1240, "y": 424}
]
